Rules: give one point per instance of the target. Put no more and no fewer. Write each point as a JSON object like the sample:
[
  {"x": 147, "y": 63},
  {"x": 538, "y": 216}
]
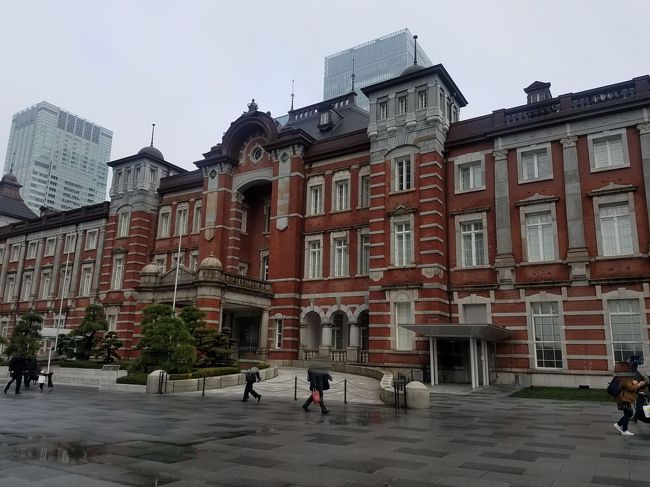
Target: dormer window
[
  {"x": 538, "y": 91},
  {"x": 325, "y": 120}
]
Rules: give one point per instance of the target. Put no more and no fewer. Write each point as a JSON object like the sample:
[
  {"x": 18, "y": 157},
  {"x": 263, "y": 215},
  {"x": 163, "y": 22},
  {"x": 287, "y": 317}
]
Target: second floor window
[
  {"x": 403, "y": 174},
  {"x": 181, "y": 220},
  {"x": 472, "y": 243},
  {"x": 50, "y": 246},
  {"x": 15, "y": 253},
  {"x": 118, "y": 272},
  {"x": 535, "y": 164},
  {"x": 91, "y": 239},
  {"x": 267, "y": 215},
  {"x": 31, "y": 249},
  {"x": 341, "y": 195},
  {"x": 470, "y": 176},
  {"x": 316, "y": 199},
  {"x": 163, "y": 224},
  {"x": 340, "y": 257},
  {"x": 314, "y": 260},
  {"x": 403, "y": 243},
  {"x": 123, "y": 221},
  {"x": 27, "y": 287},
  {"x": 86, "y": 280},
  {"x": 364, "y": 254},
  {"x": 422, "y": 99},
  {"x": 616, "y": 229},
  {"x": 401, "y": 105},
  {"x": 196, "y": 220},
  {"x": 69, "y": 245},
  {"x": 10, "y": 287},
  {"x": 46, "y": 280},
  {"x": 539, "y": 237},
  {"x": 265, "y": 267},
  {"x": 364, "y": 191},
  {"x": 608, "y": 151},
  {"x": 382, "y": 110}
]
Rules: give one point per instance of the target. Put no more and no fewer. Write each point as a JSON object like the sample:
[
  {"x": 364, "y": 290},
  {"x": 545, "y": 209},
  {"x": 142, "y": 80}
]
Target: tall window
[
  {"x": 337, "y": 331},
  {"x": 10, "y": 287},
  {"x": 548, "y": 345},
  {"x": 382, "y": 110},
  {"x": 163, "y": 222},
  {"x": 539, "y": 237},
  {"x": 244, "y": 219},
  {"x": 403, "y": 316},
  {"x": 15, "y": 253},
  {"x": 627, "y": 334},
  {"x": 31, "y": 249},
  {"x": 403, "y": 243},
  {"x": 118, "y": 272},
  {"x": 340, "y": 257},
  {"x": 364, "y": 253},
  {"x": 422, "y": 99},
  {"x": 472, "y": 236},
  {"x": 181, "y": 220},
  {"x": 535, "y": 164},
  {"x": 316, "y": 199},
  {"x": 27, "y": 286},
  {"x": 403, "y": 174},
  {"x": 86, "y": 280},
  {"x": 364, "y": 190},
  {"x": 341, "y": 195},
  {"x": 161, "y": 263},
  {"x": 50, "y": 246},
  {"x": 608, "y": 151},
  {"x": 123, "y": 220},
  {"x": 196, "y": 219},
  {"x": 401, "y": 104},
  {"x": 267, "y": 215},
  {"x": 314, "y": 260},
  {"x": 265, "y": 267},
  {"x": 111, "y": 319},
  {"x": 277, "y": 342},
  {"x": 64, "y": 281},
  {"x": 70, "y": 239},
  {"x": 194, "y": 260},
  {"x": 470, "y": 176},
  {"x": 616, "y": 229},
  {"x": 91, "y": 240},
  {"x": 46, "y": 282}
]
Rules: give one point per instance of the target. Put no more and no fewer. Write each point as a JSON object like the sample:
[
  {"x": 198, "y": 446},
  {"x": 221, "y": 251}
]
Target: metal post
[
  {"x": 295, "y": 388},
  {"x": 345, "y": 391},
  {"x": 203, "y": 393}
]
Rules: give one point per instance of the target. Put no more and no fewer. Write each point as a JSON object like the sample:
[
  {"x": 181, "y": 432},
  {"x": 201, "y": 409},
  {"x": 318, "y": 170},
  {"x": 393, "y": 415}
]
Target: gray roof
[{"x": 11, "y": 203}]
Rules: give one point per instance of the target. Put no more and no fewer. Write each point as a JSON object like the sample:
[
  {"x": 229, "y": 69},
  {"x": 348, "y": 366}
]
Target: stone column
[
  {"x": 577, "y": 256},
  {"x": 644, "y": 136},
  {"x": 326, "y": 340},
  {"x": 354, "y": 341},
  {"x": 504, "y": 261},
  {"x": 264, "y": 335}
]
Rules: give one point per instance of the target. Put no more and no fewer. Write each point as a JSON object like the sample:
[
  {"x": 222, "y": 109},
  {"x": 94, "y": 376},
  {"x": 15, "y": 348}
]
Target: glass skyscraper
[
  {"x": 59, "y": 158},
  {"x": 374, "y": 61}
]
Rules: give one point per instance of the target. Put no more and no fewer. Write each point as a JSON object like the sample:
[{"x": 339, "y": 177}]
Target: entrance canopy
[{"x": 487, "y": 332}]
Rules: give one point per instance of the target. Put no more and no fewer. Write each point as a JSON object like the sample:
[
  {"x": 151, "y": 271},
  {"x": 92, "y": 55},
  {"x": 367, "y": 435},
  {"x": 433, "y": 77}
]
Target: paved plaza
[{"x": 75, "y": 437}]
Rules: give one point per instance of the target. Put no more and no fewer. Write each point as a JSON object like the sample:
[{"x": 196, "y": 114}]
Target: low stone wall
[
  {"x": 194, "y": 385},
  {"x": 69, "y": 376}
]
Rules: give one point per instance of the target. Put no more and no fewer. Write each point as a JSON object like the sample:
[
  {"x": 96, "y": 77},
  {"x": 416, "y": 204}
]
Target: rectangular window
[
  {"x": 278, "y": 333},
  {"x": 161, "y": 264},
  {"x": 341, "y": 195},
  {"x": 50, "y": 246},
  {"x": 15, "y": 253},
  {"x": 118, "y": 272},
  {"x": 86, "y": 280},
  {"x": 324, "y": 118},
  {"x": 196, "y": 220},
  {"x": 535, "y": 164},
  {"x": 364, "y": 191},
  {"x": 627, "y": 334},
  {"x": 608, "y": 151},
  {"x": 111, "y": 319},
  {"x": 316, "y": 199},
  {"x": 181, "y": 220},
  {"x": 27, "y": 286},
  {"x": 242, "y": 269},
  {"x": 403, "y": 174},
  {"x": 123, "y": 224},
  {"x": 194, "y": 260},
  {"x": 265, "y": 267},
  {"x": 31, "y": 249},
  {"x": 70, "y": 240},
  {"x": 616, "y": 229},
  {"x": 401, "y": 104},
  {"x": 244, "y": 219},
  {"x": 403, "y": 243},
  {"x": 548, "y": 345},
  {"x": 64, "y": 281},
  {"x": 422, "y": 99},
  {"x": 403, "y": 316},
  {"x": 163, "y": 225},
  {"x": 267, "y": 215},
  {"x": 46, "y": 280},
  {"x": 472, "y": 242},
  {"x": 340, "y": 257},
  {"x": 539, "y": 237},
  {"x": 178, "y": 260},
  {"x": 314, "y": 260},
  {"x": 364, "y": 254},
  {"x": 382, "y": 110},
  {"x": 10, "y": 287},
  {"x": 470, "y": 176},
  {"x": 91, "y": 240},
  {"x": 153, "y": 175}
]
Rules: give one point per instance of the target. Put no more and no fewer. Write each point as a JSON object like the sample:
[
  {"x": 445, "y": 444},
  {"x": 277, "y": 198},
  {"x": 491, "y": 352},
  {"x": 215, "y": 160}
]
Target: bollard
[
  {"x": 295, "y": 388},
  {"x": 345, "y": 391},
  {"x": 203, "y": 393}
]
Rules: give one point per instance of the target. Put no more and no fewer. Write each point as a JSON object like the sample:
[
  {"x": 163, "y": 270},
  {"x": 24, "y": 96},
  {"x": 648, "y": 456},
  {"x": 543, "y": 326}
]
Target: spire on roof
[
  {"x": 153, "y": 128},
  {"x": 292, "y": 93},
  {"x": 352, "y": 74},
  {"x": 415, "y": 56}
]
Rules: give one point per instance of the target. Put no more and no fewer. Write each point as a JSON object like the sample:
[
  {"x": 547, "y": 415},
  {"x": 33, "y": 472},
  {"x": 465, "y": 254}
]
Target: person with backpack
[
  {"x": 252, "y": 376},
  {"x": 625, "y": 400}
]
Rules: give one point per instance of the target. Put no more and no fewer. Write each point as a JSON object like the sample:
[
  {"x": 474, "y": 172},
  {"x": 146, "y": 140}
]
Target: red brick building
[{"x": 515, "y": 244}]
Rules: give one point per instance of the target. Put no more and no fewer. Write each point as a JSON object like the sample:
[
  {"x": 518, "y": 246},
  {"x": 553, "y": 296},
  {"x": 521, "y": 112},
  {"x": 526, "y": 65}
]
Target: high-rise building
[
  {"x": 59, "y": 158},
  {"x": 373, "y": 61}
]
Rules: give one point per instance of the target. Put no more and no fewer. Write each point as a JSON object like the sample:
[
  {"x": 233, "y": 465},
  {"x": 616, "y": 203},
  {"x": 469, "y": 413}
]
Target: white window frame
[
  {"x": 278, "y": 332},
  {"x": 65, "y": 280},
  {"x": 10, "y": 288},
  {"x": 50, "y": 247},
  {"x": 528, "y": 210},
  {"x": 117, "y": 276},
  {"x": 401, "y": 104},
  {"x": 194, "y": 260},
  {"x": 402, "y": 312},
  {"x": 86, "y": 280},
  {"x": 459, "y": 221},
  {"x": 422, "y": 98},
  {"x": 164, "y": 221},
  {"x": 264, "y": 265},
  {"x": 46, "y": 283},
  {"x": 111, "y": 320},
  {"x": 32, "y": 248},
  {"x": 364, "y": 251},
  {"x": 382, "y": 109},
  {"x": 28, "y": 282},
  {"x": 315, "y": 185},
  {"x": 626, "y": 197},
  {"x": 196, "y": 216},
  {"x": 640, "y": 343},
  {"x": 69, "y": 243},
  {"x": 475, "y": 166},
  {"x": 178, "y": 259},
  {"x": 364, "y": 187},
  {"x": 14, "y": 253},
  {"x": 123, "y": 222},
  {"x": 340, "y": 254},
  {"x": 535, "y": 151},
  {"x": 91, "y": 239},
  {"x": 161, "y": 263},
  {"x": 341, "y": 191},
  {"x": 403, "y": 173},
  {"x": 607, "y": 136},
  {"x": 314, "y": 257},
  {"x": 402, "y": 255},
  {"x": 244, "y": 219},
  {"x": 537, "y": 315},
  {"x": 181, "y": 221}
]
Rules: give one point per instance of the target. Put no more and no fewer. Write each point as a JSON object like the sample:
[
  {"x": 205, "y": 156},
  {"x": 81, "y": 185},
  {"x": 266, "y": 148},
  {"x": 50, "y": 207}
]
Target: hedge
[
  {"x": 138, "y": 379},
  {"x": 206, "y": 372}
]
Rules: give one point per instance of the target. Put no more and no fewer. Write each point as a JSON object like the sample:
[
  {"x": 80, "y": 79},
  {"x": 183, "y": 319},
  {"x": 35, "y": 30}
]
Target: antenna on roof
[
  {"x": 352, "y": 74},
  {"x": 415, "y": 56},
  {"x": 292, "y": 93},
  {"x": 11, "y": 166},
  {"x": 153, "y": 128}
]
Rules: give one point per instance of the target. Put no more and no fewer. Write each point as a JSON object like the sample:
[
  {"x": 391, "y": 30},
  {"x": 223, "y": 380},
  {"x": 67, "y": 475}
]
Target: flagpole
[{"x": 58, "y": 323}]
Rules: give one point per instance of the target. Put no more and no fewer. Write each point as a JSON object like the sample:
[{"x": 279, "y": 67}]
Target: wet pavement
[{"x": 85, "y": 437}]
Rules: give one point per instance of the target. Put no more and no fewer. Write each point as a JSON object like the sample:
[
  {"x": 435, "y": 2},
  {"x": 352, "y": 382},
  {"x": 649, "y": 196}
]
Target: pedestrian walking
[
  {"x": 16, "y": 368},
  {"x": 42, "y": 377},
  {"x": 252, "y": 376},
  {"x": 625, "y": 400},
  {"x": 50, "y": 384},
  {"x": 318, "y": 378}
]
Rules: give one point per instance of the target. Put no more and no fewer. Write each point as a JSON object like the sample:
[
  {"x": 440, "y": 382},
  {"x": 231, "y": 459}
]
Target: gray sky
[{"x": 191, "y": 66}]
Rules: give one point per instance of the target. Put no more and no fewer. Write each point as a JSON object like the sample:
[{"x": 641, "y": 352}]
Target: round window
[{"x": 257, "y": 154}]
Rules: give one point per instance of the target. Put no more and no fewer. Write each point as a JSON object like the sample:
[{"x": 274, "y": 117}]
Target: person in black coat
[
  {"x": 17, "y": 366},
  {"x": 252, "y": 376},
  {"x": 319, "y": 380}
]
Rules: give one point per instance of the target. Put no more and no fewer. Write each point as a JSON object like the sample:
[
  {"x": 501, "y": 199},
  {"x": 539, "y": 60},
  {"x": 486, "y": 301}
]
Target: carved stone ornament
[
  {"x": 644, "y": 128},
  {"x": 281, "y": 223},
  {"x": 430, "y": 272},
  {"x": 568, "y": 142},
  {"x": 213, "y": 174},
  {"x": 225, "y": 167},
  {"x": 252, "y": 106},
  {"x": 372, "y": 135},
  {"x": 500, "y": 154},
  {"x": 375, "y": 275}
]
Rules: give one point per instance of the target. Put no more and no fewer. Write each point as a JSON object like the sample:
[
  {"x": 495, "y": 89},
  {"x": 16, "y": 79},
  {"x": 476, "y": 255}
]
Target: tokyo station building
[{"x": 507, "y": 248}]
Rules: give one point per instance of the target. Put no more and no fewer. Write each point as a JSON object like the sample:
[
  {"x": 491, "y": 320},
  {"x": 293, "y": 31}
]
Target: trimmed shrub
[
  {"x": 137, "y": 379},
  {"x": 206, "y": 372}
]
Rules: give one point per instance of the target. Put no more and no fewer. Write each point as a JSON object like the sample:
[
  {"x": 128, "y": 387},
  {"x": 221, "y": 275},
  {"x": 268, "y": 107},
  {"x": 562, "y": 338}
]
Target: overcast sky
[{"x": 191, "y": 66}]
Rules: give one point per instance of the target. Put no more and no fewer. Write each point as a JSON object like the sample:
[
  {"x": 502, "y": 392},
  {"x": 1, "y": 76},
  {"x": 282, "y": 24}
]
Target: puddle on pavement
[
  {"x": 365, "y": 418},
  {"x": 65, "y": 453}
]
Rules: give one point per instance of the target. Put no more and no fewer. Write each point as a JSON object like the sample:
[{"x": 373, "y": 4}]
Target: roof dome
[
  {"x": 150, "y": 269},
  {"x": 150, "y": 150},
  {"x": 413, "y": 68},
  {"x": 10, "y": 178},
  {"x": 211, "y": 263}
]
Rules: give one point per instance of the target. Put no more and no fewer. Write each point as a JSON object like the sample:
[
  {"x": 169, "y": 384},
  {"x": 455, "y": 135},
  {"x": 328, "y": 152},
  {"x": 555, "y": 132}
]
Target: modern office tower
[
  {"x": 59, "y": 158},
  {"x": 374, "y": 61}
]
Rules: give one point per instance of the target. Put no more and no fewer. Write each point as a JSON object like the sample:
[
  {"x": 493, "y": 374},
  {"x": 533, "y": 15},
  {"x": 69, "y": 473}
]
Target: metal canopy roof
[{"x": 488, "y": 332}]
